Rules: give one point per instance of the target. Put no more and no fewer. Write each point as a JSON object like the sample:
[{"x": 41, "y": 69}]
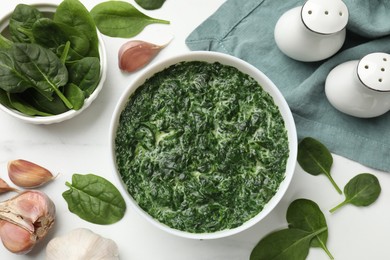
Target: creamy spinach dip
[{"x": 201, "y": 147}]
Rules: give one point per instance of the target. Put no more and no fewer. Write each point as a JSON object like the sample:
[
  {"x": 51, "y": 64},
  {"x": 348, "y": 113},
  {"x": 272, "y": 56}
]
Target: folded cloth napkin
[{"x": 245, "y": 29}]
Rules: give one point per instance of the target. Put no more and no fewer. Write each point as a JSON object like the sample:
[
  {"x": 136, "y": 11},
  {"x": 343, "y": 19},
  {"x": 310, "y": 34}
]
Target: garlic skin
[
  {"x": 27, "y": 174},
  {"x": 135, "y": 54},
  {"x": 25, "y": 220},
  {"x": 80, "y": 244}
]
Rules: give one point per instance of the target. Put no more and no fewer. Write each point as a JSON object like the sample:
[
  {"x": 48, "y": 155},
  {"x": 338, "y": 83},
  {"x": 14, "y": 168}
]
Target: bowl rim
[
  {"x": 265, "y": 82},
  {"x": 50, "y": 7}
]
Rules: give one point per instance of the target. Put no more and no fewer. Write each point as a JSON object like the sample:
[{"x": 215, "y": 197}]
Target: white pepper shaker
[
  {"x": 314, "y": 31},
  {"x": 361, "y": 88}
]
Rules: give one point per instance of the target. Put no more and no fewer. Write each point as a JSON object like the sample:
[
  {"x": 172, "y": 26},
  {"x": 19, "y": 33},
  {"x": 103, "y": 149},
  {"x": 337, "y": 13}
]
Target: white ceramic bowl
[
  {"x": 267, "y": 86},
  {"x": 50, "y": 8}
]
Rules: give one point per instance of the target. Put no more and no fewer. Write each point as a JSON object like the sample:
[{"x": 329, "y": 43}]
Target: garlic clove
[
  {"x": 31, "y": 211},
  {"x": 16, "y": 239},
  {"x": 28, "y": 174},
  {"x": 135, "y": 54},
  {"x": 81, "y": 243},
  {"x": 4, "y": 187}
]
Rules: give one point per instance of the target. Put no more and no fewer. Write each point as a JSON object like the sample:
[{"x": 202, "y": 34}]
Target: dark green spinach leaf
[
  {"x": 43, "y": 68},
  {"x": 121, "y": 19},
  {"x": 34, "y": 99},
  {"x": 361, "y": 190},
  {"x": 285, "y": 244},
  {"x": 315, "y": 158},
  {"x": 306, "y": 215},
  {"x": 307, "y": 228},
  {"x": 11, "y": 79},
  {"x": 21, "y": 22},
  {"x": 5, "y": 43},
  {"x": 20, "y": 104},
  {"x": 75, "y": 95},
  {"x": 150, "y": 4},
  {"x": 85, "y": 73},
  {"x": 53, "y": 35},
  {"x": 78, "y": 23},
  {"x": 94, "y": 199}
]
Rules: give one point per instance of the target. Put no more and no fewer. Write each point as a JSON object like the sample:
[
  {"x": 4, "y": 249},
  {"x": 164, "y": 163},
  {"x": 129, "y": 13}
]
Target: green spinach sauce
[{"x": 201, "y": 147}]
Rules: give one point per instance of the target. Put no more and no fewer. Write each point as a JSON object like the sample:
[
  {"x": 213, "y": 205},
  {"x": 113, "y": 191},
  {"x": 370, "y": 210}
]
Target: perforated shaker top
[
  {"x": 325, "y": 16},
  {"x": 374, "y": 71}
]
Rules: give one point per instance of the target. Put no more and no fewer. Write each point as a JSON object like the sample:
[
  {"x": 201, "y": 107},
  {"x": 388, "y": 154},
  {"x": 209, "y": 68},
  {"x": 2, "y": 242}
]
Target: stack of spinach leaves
[{"x": 49, "y": 64}]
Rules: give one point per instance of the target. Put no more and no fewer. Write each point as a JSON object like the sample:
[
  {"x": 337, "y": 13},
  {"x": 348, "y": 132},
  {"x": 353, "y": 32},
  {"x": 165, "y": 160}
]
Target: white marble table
[{"x": 80, "y": 145}]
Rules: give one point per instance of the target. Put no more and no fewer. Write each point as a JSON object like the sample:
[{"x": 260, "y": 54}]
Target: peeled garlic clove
[
  {"x": 135, "y": 54},
  {"x": 30, "y": 215},
  {"x": 4, "y": 187},
  {"x": 81, "y": 243},
  {"x": 28, "y": 174}
]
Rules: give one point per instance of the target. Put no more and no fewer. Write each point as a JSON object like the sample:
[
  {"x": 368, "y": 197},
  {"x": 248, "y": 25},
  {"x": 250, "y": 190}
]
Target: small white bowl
[
  {"x": 267, "y": 85},
  {"x": 50, "y": 8}
]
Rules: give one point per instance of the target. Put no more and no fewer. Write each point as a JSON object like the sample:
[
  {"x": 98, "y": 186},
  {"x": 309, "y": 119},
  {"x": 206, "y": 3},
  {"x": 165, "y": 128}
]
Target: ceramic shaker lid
[
  {"x": 325, "y": 16},
  {"x": 374, "y": 71}
]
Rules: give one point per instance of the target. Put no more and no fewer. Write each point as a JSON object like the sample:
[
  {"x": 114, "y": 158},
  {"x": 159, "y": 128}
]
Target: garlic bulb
[
  {"x": 25, "y": 219},
  {"x": 80, "y": 244}
]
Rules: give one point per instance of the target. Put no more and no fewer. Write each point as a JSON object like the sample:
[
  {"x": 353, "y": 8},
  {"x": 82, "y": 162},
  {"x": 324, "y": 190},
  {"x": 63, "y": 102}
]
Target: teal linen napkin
[{"x": 245, "y": 29}]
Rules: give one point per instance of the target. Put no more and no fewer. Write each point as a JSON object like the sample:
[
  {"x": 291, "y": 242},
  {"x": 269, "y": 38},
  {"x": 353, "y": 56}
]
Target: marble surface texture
[{"x": 81, "y": 145}]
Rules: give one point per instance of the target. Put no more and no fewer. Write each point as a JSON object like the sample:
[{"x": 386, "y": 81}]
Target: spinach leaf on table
[
  {"x": 150, "y": 4},
  {"x": 306, "y": 215},
  {"x": 285, "y": 244},
  {"x": 94, "y": 199},
  {"x": 21, "y": 23},
  {"x": 121, "y": 19},
  {"x": 307, "y": 228},
  {"x": 315, "y": 159},
  {"x": 361, "y": 190}
]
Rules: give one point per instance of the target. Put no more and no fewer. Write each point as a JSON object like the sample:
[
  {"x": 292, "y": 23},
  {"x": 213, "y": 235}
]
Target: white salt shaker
[
  {"x": 314, "y": 31},
  {"x": 361, "y": 88}
]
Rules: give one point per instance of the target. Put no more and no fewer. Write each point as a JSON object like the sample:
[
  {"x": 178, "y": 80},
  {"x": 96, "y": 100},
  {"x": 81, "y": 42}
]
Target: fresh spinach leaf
[
  {"x": 53, "y": 35},
  {"x": 285, "y": 244},
  {"x": 43, "y": 68},
  {"x": 21, "y": 22},
  {"x": 34, "y": 99},
  {"x": 121, "y": 19},
  {"x": 75, "y": 95},
  {"x": 315, "y": 158},
  {"x": 11, "y": 79},
  {"x": 94, "y": 199},
  {"x": 150, "y": 4},
  {"x": 5, "y": 43},
  {"x": 85, "y": 73},
  {"x": 78, "y": 23},
  {"x": 4, "y": 100},
  {"x": 18, "y": 103},
  {"x": 361, "y": 190},
  {"x": 306, "y": 215}
]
